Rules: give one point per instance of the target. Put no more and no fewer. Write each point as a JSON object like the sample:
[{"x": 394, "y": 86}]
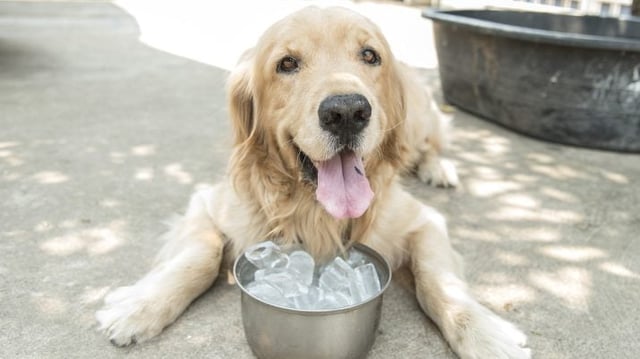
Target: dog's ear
[{"x": 240, "y": 97}]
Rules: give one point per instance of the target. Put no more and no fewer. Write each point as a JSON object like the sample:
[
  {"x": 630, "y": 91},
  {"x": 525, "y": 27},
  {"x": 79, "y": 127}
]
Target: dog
[{"x": 324, "y": 120}]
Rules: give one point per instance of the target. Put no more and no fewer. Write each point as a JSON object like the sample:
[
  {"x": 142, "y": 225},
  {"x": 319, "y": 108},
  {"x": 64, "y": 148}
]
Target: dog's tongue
[{"x": 343, "y": 189}]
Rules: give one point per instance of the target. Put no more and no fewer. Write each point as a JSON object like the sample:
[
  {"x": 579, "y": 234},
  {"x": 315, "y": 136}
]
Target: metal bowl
[{"x": 280, "y": 332}]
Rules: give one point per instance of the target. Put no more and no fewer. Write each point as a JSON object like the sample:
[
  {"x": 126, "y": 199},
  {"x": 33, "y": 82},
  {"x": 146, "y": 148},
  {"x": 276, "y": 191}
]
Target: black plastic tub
[{"x": 563, "y": 78}]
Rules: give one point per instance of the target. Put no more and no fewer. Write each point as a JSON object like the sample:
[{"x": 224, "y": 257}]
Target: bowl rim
[
  {"x": 465, "y": 19},
  {"x": 359, "y": 246}
]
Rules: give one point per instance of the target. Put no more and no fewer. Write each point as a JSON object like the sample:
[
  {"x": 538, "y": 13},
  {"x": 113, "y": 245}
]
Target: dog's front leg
[
  {"x": 472, "y": 330},
  {"x": 185, "y": 267}
]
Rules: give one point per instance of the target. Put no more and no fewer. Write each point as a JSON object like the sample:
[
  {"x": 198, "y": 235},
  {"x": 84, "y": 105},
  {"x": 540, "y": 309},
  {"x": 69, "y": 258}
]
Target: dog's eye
[
  {"x": 287, "y": 64},
  {"x": 370, "y": 57}
]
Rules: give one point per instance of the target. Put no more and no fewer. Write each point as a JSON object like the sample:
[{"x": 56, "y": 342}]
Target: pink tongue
[{"x": 343, "y": 189}]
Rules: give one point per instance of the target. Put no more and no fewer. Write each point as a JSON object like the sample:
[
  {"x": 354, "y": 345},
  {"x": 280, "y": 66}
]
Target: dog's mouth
[
  {"x": 309, "y": 171},
  {"x": 342, "y": 186}
]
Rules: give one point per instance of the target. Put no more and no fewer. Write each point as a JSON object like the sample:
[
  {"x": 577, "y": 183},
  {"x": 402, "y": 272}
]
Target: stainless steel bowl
[{"x": 280, "y": 333}]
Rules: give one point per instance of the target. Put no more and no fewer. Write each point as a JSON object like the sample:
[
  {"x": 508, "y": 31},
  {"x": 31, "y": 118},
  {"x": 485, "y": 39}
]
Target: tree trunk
[{"x": 635, "y": 8}]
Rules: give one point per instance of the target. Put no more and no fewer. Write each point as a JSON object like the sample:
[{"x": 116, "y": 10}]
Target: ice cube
[
  {"x": 316, "y": 293},
  {"x": 356, "y": 258},
  {"x": 335, "y": 300},
  {"x": 308, "y": 301},
  {"x": 332, "y": 279},
  {"x": 259, "y": 275},
  {"x": 339, "y": 276},
  {"x": 285, "y": 281},
  {"x": 343, "y": 267},
  {"x": 338, "y": 268},
  {"x": 266, "y": 255},
  {"x": 303, "y": 265},
  {"x": 369, "y": 280},
  {"x": 267, "y": 292},
  {"x": 357, "y": 289}
]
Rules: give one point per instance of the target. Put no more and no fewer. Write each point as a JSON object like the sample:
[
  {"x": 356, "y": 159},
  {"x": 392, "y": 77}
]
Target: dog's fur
[{"x": 270, "y": 195}]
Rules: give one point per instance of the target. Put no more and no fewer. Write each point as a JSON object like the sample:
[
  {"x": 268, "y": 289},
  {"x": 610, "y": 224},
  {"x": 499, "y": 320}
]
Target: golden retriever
[{"x": 325, "y": 119}]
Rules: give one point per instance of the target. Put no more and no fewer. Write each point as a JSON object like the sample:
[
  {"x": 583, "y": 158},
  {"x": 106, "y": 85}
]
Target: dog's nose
[{"x": 344, "y": 115}]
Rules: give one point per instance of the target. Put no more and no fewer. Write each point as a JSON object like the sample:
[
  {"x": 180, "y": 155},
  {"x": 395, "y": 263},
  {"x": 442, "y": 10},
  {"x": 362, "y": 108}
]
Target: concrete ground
[{"x": 112, "y": 114}]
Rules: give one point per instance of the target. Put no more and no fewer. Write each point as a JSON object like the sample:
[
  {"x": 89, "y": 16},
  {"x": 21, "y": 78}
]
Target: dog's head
[{"x": 319, "y": 99}]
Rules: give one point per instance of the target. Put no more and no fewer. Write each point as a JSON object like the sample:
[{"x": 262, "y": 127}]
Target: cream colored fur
[{"x": 274, "y": 117}]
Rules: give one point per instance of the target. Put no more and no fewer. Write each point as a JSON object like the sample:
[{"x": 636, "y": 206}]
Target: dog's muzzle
[{"x": 345, "y": 116}]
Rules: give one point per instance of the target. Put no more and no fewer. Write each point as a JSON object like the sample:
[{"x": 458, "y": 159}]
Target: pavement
[{"x": 111, "y": 114}]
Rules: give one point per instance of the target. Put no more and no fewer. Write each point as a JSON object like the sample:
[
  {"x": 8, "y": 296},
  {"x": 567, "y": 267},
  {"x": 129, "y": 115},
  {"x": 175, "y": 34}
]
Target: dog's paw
[
  {"x": 481, "y": 334},
  {"x": 130, "y": 315},
  {"x": 438, "y": 172}
]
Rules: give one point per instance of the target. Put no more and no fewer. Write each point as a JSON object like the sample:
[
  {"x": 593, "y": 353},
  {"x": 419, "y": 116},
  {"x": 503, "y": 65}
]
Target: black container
[{"x": 563, "y": 78}]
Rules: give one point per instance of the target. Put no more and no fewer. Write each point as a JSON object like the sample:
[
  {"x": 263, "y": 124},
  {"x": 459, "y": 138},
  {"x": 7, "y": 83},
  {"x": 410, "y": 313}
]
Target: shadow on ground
[{"x": 549, "y": 233}]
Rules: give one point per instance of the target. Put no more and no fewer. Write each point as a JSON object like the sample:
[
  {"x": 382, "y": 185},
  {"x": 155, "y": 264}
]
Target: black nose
[{"x": 344, "y": 115}]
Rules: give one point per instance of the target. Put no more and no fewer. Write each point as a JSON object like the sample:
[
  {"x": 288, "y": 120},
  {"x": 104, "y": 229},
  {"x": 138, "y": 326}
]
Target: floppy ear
[{"x": 240, "y": 98}]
